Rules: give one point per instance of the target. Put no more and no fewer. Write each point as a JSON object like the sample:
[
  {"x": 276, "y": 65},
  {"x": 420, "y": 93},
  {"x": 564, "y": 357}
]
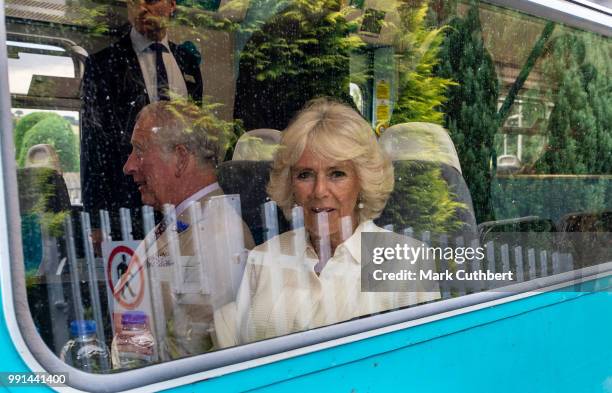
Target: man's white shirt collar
[
  {"x": 196, "y": 197},
  {"x": 142, "y": 43}
]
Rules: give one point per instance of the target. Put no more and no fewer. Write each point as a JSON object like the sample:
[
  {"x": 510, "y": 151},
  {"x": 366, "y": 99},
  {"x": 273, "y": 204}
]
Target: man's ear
[{"x": 183, "y": 156}]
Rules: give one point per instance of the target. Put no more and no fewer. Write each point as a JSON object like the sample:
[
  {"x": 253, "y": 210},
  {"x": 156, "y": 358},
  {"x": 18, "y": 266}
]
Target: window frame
[
  {"x": 78, "y": 56},
  {"x": 593, "y": 18},
  {"x": 38, "y": 357}
]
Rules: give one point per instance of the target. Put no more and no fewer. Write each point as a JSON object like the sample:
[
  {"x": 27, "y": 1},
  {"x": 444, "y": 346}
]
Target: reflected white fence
[{"x": 211, "y": 268}]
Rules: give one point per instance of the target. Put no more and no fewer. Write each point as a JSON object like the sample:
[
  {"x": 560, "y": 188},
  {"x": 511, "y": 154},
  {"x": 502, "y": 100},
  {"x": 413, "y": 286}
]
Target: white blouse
[{"x": 280, "y": 292}]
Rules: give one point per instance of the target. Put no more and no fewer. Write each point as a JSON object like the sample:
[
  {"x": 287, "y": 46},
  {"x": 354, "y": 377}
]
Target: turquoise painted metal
[
  {"x": 550, "y": 342},
  {"x": 10, "y": 360}
]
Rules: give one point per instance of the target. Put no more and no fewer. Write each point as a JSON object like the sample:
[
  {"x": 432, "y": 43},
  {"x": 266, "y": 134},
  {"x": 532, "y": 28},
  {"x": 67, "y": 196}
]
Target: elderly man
[
  {"x": 142, "y": 67},
  {"x": 175, "y": 148}
]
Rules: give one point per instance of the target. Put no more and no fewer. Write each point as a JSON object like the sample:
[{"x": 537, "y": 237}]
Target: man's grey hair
[{"x": 183, "y": 123}]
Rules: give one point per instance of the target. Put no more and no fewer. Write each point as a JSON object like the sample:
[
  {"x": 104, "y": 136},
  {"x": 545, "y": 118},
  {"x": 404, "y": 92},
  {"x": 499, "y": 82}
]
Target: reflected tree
[
  {"x": 421, "y": 93},
  {"x": 53, "y": 130},
  {"x": 299, "y": 53},
  {"x": 471, "y": 111},
  {"x": 579, "y": 129},
  {"x": 422, "y": 199},
  {"x": 23, "y": 125}
]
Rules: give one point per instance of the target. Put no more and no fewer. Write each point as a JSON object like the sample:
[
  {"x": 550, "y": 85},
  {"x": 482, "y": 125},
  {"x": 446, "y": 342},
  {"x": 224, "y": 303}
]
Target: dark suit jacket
[{"x": 113, "y": 92}]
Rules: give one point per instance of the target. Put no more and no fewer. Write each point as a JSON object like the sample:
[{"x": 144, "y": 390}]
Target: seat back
[
  {"x": 418, "y": 141},
  {"x": 41, "y": 191},
  {"x": 257, "y": 145},
  {"x": 430, "y": 193},
  {"x": 42, "y": 155},
  {"x": 249, "y": 179},
  {"x": 429, "y": 197}
]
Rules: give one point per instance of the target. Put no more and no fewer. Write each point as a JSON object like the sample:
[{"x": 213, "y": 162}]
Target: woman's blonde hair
[{"x": 336, "y": 132}]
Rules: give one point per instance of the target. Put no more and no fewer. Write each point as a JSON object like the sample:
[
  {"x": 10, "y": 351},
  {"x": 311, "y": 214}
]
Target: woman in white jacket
[{"x": 331, "y": 174}]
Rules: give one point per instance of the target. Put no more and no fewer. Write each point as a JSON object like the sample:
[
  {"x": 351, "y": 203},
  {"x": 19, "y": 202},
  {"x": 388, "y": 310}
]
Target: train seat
[
  {"x": 257, "y": 145},
  {"x": 430, "y": 193},
  {"x": 247, "y": 174},
  {"x": 42, "y": 193}
]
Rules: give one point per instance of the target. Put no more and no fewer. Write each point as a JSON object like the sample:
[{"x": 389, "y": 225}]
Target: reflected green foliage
[
  {"x": 420, "y": 92},
  {"x": 440, "y": 12},
  {"x": 361, "y": 72},
  {"x": 23, "y": 125},
  {"x": 471, "y": 115},
  {"x": 422, "y": 200},
  {"x": 96, "y": 16},
  {"x": 577, "y": 136},
  {"x": 31, "y": 279},
  {"x": 299, "y": 53},
  {"x": 202, "y": 119},
  {"x": 55, "y": 131},
  {"x": 54, "y": 222},
  {"x": 305, "y": 38},
  {"x": 38, "y": 194},
  {"x": 550, "y": 198},
  {"x": 580, "y": 126},
  {"x": 196, "y": 16}
]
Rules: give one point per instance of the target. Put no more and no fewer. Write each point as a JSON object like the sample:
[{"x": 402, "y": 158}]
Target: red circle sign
[{"x": 134, "y": 268}]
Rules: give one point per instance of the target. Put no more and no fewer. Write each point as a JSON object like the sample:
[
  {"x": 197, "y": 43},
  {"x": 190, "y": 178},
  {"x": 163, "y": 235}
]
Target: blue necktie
[{"x": 160, "y": 68}]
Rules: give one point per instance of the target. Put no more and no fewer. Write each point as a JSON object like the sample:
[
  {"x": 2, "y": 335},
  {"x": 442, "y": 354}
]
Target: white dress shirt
[{"x": 146, "y": 59}]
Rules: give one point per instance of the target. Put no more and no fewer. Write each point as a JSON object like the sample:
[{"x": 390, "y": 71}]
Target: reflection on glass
[
  {"x": 479, "y": 159},
  {"x": 323, "y": 241}
]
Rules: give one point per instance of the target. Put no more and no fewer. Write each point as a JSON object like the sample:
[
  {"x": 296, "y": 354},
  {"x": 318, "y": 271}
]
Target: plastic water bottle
[
  {"x": 133, "y": 346},
  {"x": 84, "y": 351}
]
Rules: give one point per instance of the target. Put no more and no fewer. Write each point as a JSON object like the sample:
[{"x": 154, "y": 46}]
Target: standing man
[
  {"x": 175, "y": 151},
  {"x": 142, "y": 67}
]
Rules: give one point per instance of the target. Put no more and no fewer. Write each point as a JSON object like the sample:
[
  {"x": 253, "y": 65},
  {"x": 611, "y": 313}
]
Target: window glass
[{"x": 199, "y": 176}]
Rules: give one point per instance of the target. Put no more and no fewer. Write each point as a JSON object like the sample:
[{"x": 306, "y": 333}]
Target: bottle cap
[
  {"x": 82, "y": 327},
  {"x": 134, "y": 318}
]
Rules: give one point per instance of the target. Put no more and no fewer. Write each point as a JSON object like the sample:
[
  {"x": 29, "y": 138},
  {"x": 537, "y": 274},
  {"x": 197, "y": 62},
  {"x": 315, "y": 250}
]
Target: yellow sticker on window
[
  {"x": 382, "y": 113},
  {"x": 382, "y": 90}
]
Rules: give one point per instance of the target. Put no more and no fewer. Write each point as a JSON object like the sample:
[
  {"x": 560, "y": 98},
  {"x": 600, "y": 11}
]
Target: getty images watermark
[{"x": 391, "y": 262}]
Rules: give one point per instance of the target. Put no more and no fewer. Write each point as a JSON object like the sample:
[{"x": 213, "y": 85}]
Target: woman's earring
[{"x": 359, "y": 204}]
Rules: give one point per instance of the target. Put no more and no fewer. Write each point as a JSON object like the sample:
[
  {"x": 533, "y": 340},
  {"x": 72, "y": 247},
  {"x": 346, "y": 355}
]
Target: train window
[{"x": 197, "y": 176}]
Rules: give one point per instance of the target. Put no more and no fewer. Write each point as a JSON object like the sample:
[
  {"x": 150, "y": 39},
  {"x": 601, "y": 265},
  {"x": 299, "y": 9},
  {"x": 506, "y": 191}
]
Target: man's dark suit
[{"x": 113, "y": 92}]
